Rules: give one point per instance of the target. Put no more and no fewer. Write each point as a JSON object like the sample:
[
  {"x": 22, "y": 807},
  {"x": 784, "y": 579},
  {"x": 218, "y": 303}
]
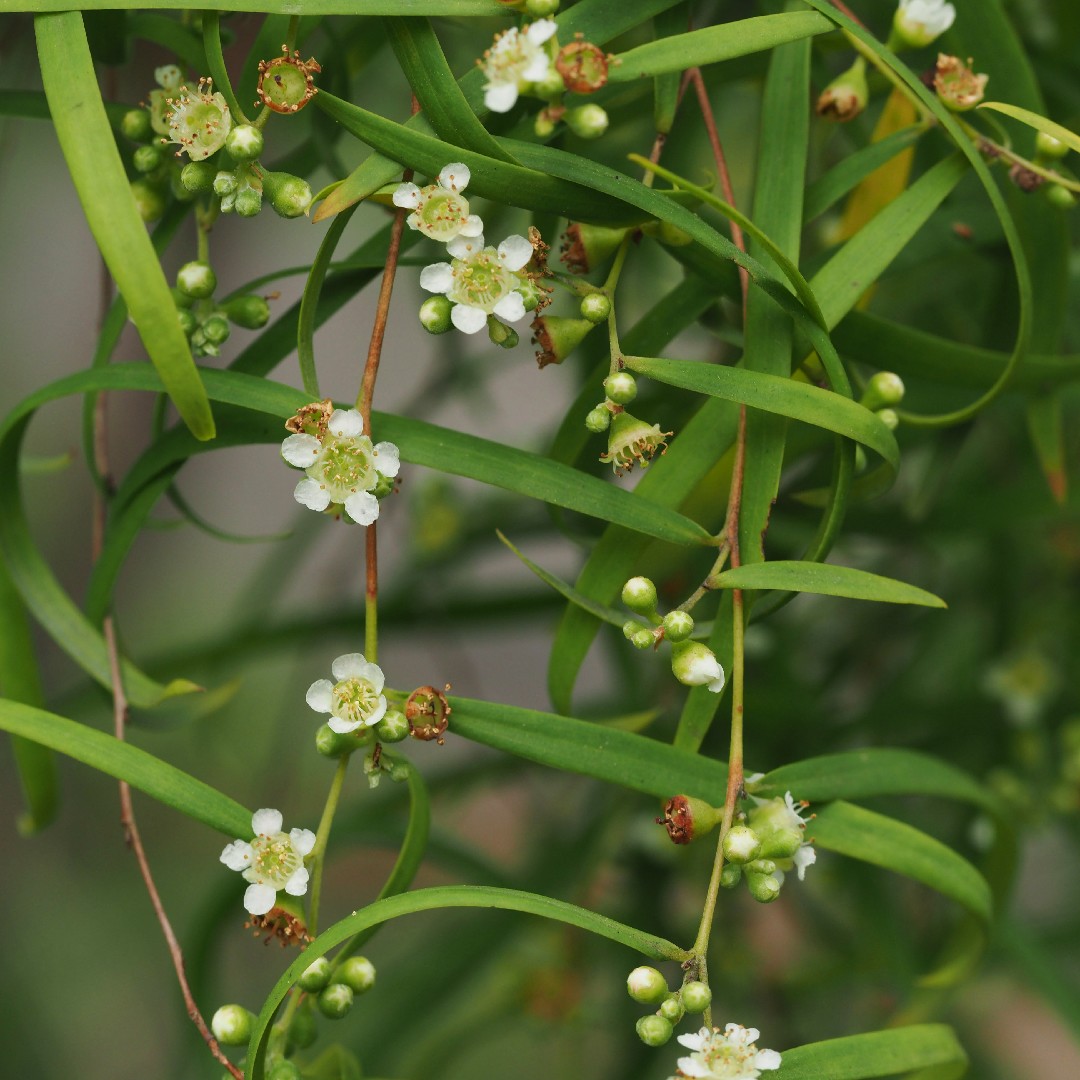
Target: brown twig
[{"x": 844, "y": 9}]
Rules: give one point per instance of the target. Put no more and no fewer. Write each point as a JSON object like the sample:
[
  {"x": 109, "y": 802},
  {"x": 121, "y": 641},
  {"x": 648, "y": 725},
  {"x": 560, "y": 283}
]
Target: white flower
[
  {"x": 918, "y": 22},
  {"x": 343, "y": 468},
  {"x": 199, "y": 120},
  {"x": 695, "y": 664},
  {"x": 782, "y": 822},
  {"x": 481, "y": 281},
  {"x": 356, "y": 698},
  {"x": 440, "y": 210},
  {"x": 273, "y": 860},
  {"x": 730, "y": 1054},
  {"x": 516, "y": 58}
]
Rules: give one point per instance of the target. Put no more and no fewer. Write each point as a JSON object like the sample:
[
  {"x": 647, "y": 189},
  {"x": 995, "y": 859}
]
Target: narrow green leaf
[
  {"x": 1046, "y": 425},
  {"x": 1034, "y": 120},
  {"x": 288, "y": 7},
  {"x": 876, "y": 1053},
  {"x": 70, "y": 83}
]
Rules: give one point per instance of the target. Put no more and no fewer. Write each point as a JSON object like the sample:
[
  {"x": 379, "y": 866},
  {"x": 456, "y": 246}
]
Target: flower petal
[
  {"x": 455, "y": 176},
  {"x": 297, "y": 884},
  {"x": 468, "y": 319},
  {"x": 362, "y": 507},
  {"x": 690, "y": 1067},
  {"x": 462, "y": 246},
  {"x": 266, "y": 822},
  {"x": 500, "y": 97},
  {"x": 537, "y": 69},
  {"x": 301, "y": 450},
  {"x": 407, "y": 195},
  {"x": 320, "y": 695},
  {"x": 259, "y": 899},
  {"x": 346, "y": 423},
  {"x": 373, "y": 674},
  {"x": 237, "y": 855},
  {"x": 511, "y": 307},
  {"x": 349, "y": 666},
  {"x": 387, "y": 459},
  {"x": 342, "y": 727},
  {"x": 377, "y": 713},
  {"x": 312, "y": 494},
  {"x": 717, "y": 684},
  {"x": 514, "y": 252},
  {"x": 437, "y": 278},
  {"x": 767, "y": 1059},
  {"x": 474, "y": 226},
  {"x": 303, "y": 841},
  {"x": 539, "y": 31}
]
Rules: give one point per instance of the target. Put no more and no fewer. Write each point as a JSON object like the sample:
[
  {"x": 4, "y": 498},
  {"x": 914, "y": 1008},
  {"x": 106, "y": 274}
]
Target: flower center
[
  {"x": 274, "y": 860},
  {"x": 481, "y": 281},
  {"x": 509, "y": 57},
  {"x": 441, "y": 213},
  {"x": 354, "y": 700},
  {"x": 345, "y": 466}
]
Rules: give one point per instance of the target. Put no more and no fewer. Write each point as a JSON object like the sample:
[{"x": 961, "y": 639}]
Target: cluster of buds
[
  {"x": 1048, "y": 152},
  {"x": 883, "y": 394},
  {"x": 206, "y": 323},
  {"x": 630, "y": 441},
  {"x": 648, "y": 986}
]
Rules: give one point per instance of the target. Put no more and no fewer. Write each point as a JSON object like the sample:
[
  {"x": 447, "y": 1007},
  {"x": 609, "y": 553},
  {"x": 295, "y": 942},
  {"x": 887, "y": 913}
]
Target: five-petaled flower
[
  {"x": 355, "y": 699},
  {"x": 776, "y": 818},
  {"x": 273, "y": 860},
  {"x": 515, "y": 59},
  {"x": 199, "y": 120},
  {"x": 439, "y": 210},
  {"x": 731, "y": 1054}
]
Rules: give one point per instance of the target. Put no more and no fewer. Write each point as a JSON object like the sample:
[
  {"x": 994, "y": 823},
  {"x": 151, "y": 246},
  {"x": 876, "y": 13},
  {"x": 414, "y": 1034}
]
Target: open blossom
[
  {"x": 343, "y": 467},
  {"x": 440, "y": 210},
  {"x": 199, "y": 120},
  {"x": 273, "y": 860},
  {"x": 481, "y": 281},
  {"x": 515, "y": 59},
  {"x": 355, "y": 699},
  {"x": 918, "y": 22},
  {"x": 776, "y": 819},
  {"x": 731, "y": 1054}
]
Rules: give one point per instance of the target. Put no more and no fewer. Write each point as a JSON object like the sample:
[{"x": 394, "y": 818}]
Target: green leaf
[
  {"x": 288, "y": 7},
  {"x": 141, "y": 770},
  {"x": 70, "y": 83},
  {"x": 1046, "y": 426},
  {"x": 826, "y": 579},
  {"x": 1034, "y": 120},
  {"x": 876, "y": 1053}
]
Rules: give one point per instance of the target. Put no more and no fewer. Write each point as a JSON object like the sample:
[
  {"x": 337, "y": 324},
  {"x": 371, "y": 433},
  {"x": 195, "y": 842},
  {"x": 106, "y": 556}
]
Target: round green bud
[
  {"x": 598, "y": 420},
  {"x": 730, "y": 876},
  {"x": 631, "y": 627},
  {"x": 621, "y": 387},
  {"x": 781, "y": 844},
  {"x": 315, "y": 976},
  {"x": 764, "y": 888},
  {"x": 678, "y": 625},
  {"x": 550, "y": 88},
  {"x": 196, "y": 279},
  {"x": 761, "y": 866},
  {"x": 392, "y": 728},
  {"x": 639, "y": 594},
  {"x": 181, "y": 300},
  {"x": 883, "y": 390},
  {"x": 654, "y": 1030},
  {"x": 335, "y": 1001},
  {"x": 135, "y": 125},
  {"x": 198, "y": 177},
  {"x": 225, "y": 183},
  {"x": 502, "y": 335},
  {"x": 228, "y": 203},
  {"x": 647, "y": 985},
  {"x": 147, "y": 158},
  {"x": 596, "y": 307},
  {"x": 587, "y": 121},
  {"x": 1060, "y": 197},
  {"x": 531, "y": 294},
  {"x": 251, "y": 312},
  {"x": 541, "y": 9},
  {"x": 284, "y": 1070},
  {"x": 303, "y": 1030},
  {"x": 435, "y": 314},
  {"x": 332, "y": 744},
  {"x": 741, "y": 844},
  {"x": 248, "y": 202},
  {"x": 543, "y": 125},
  {"x": 357, "y": 973},
  {"x": 1048, "y": 147},
  {"x": 696, "y": 996},
  {"x": 187, "y": 320},
  {"x": 216, "y": 329},
  {"x": 672, "y": 1008},
  {"x": 289, "y": 195},
  {"x": 244, "y": 143},
  {"x": 149, "y": 199},
  {"x": 231, "y": 1025},
  {"x": 889, "y": 417},
  {"x": 643, "y": 639}
]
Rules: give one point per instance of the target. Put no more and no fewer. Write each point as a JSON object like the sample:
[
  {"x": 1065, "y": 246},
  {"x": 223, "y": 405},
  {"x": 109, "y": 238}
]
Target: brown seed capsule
[
  {"x": 311, "y": 419},
  {"x": 428, "y": 713},
  {"x": 687, "y": 818}
]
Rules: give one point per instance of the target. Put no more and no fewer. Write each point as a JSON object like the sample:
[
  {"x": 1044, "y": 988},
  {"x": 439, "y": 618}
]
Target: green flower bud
[
  {"x": 198, "y": 177},
  {"x": 332, "y": 744},
  {"x": 639, "y": 594},
  {"x": 216, "y": 329},
  {"x": 231, "y": 1025},
  {"x": 643, "y": 639},
  {"x": 672, "y": 1008},
  {"x": 764, "y": 888},
  {"x": 335, "y": 1001},
  {"x": 621, "y": 387},
  {"x": 289, "y": 195},
  {"x": 303, "y": 1030},
  {"x": 225, "y": 183},
  {"x": 135, "y": 125},
  {"x": 1060, "y": 197},
  {"x": 181, "y": 300},
  {"x": 846, "y": 96},
  {"x": 149, "y": 199},
  {"x": 435, "y": 314},
  {"x": 889, "y": 417},
  {"x": 696, "y": 996},
  {"x": 248, "y": 202},
  {"x": 587, "y": 121},
  {"x": 654, "y": 1030},
  {"x": 595, "y": 307},
  {"x": 883, "y": 390},
  {"x": 228, "y": 203},
  {"x": 188, "y": 322},
  {"x": 501, "y": 334},
  {"x": 761, "y": 867},
  {"x": 741, "y": 844},
  {"x": 647, "y": 985},
  {"x": 196, "y": 279},
  {"x": 917, "y": 25},
  {"x": 1047, "y": 146},
  {"x": 695, "y": 664},
  {"x": 284, "y": 1070},
  {"x": 147, "y": 158},
  {"x": 598, "y": 420},
  {"x": 781, "y": 844},
  {"x": 686, "y": 818},
  {"x": 666, "y": 233},
  {"x": 357, "y": 973},
  {"x": 678, "y": 625},
  {"x": 531, "y": 294},
  {"x": 541, "y": 9},
  {"x": 730, "y": 876},
  {"x": 544, "y": 124},
  {"x": 631, "y": 627},
  {"x": 315, "y": 976},
  {"x": 587, "y": 247},
  {"x": 557, "y": 337},
  {"x": 251, "y": 312},
  {"x": 550, "y": 88},
  {"x": 392, "y": 728},
  {"x": 244, "y": 143}
]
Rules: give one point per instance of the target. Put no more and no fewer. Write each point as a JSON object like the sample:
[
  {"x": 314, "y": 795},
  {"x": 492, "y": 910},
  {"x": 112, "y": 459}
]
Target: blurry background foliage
[{"x": 991, "y": 685}]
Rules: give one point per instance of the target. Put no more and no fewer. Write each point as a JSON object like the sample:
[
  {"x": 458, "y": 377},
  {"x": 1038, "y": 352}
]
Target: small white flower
[
  {"x": 515, "y": 59},
  {"x": 918, "y": 22},
  {"x": 695, "y": 664},
  {"x": 355, "y": 699},
  {"x": 772, "y": 816},
  {"x": 481, "y": 281},
  {"x": 199, "y": 120},
  {"x": 272, "y": 861},
  {"x": 440, "y": 210},
  {"x": 730, "y": 1054},
  {"x": 343, "y": 468}
]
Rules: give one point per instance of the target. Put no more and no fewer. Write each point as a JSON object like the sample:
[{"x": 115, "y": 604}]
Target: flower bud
[
  {"x": 957, "y": 86},
  {"x": 557, "y": 337},
  {"x": 595, "y": 307},
  {"x": 654, "y": 1030},
  {"x": 188, "y": 322},
  {"x": 884, "y": 389},
  {"x": 919, "y": 22},
  {"x": 764, "y": 888},
  {"x": 231, "y": 1025},
  {"x": 303, "y": 1030},
  {"x": 647, "y": 985},
  {"x": 889, "y": 417},
  {"x": 643, "y": 639},
  {"x": 741, "y": 844},
  {"x": 695, "y": 664},
  {"x": 730, "y": 875},
  {"x": 761, "y": 867},
  {"x": 357, "y": 973},
  {"x": 284, "y": 1070},
  {"x": 550, "y": 88},
  {"x": 196, "y": 279},
  {"x": 289, "y": 195},
  {"x": 687, "y": 818},
  {"x": 335, "y": 1001},
  {"x": 198, "y": 177},
  {"x": 225, "y": 183},
  {"x": 244, "y": 143},
  {"x": 639, "y": 594},
  {"x": 781, "y": 844},
  {"x": 678, "y": 625},
  {"x": 541, "y": 9},
  {"x": 248, "y": 202},
  {"x": 251, "y": 312},
  {"x": 587, "y": 121},
  {"x": 149, "y": 199},
  {"x": 216, "y": 329},
  {"x": 332, "y": 744},
  {"x": 392, "y": 728},
  {"x": 696, "y": 996},
  {"x": 621, "y": 387},
  {"x": 544, "y": 123},
  {"x": 316, "y": 976},
  {"x": 1046, "y": 146},
  {"x": 598, "y": 420},
  {"x": 631, "y": 627},
  {"x": 672, "y": 1008},
  {"x": 147, "y": 158},
  {"x": 501, "y": 334},
  {"x": 1060, "y": 197},
  {"x": 666, "y": 233},
  {"x": 435, "y": 314},
  {"x": 135, "y": 125},
  {"x": 846, "y": 96},
  {"x": 583, "y": 68},
  {"x": 228, "y": 203},
  {"x": 587, "y": 247}
]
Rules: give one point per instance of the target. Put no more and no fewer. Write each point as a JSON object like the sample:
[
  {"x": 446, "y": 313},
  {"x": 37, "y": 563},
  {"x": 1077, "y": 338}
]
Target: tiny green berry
[
  {"x": 764, "y": 888},
  {"x": 197, "y": 280},
  {"x": 435, "y": 314},
  {"x": 595, "y": 307},
  {"x": 198, "y": 177},
  {"x": 621, "y": 387},
  {"x": 598, "y": 420},
  {"x": 654, "y": 1030},
  {"x": 357, "y": 973},
  {"x": 647, "y": 985},
  {"x": 1049, "y": 147},
  {"x": 216, "y": 329},
  {"x": 632, "y": 627},
  {"x": 643, "y": 639},
  {"x": 639, "y": 594},
  {"x": 147, "y": 158},
  {"x": 392, "y": 728},
  {"x": 231, "y": 1025},
  {"x": 315, "y": 976},
  {"x": 335, "y": 1001},
  {"x": 678, "y": 625},
  {"x": 696, "y": 996},
  {"x": 135, "y": 125},
  {"x": 1060, "y": 197},
  {"x": 149, "y": 199},
  {"x": 587, "y": 121},
  {"x": 244, "y": 143},
  {"x": 672, "y": 1008},
  {"x": 741, "y": 844},
  {"x": 249, "y": 311}
]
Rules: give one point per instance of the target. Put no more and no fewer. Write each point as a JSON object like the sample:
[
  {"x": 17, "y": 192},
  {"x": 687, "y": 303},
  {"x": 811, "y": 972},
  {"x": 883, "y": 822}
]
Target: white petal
[
  {"x": 541, "y": 30},
  {"x": 312, "y": 494},
  {"x": 302, "y": 840},
  {"x": 437, "y": 278},
  {"x": 692, "y": 1067},
  {"x": 377, "y": 713},
  {"x": 266, "y": 822},
  {"x": 468, "y": 319},
  {"x": 259, "y": 899},
  {"x": 500, "y": 97},
  {"x": 455, "y": 176},
  {"x": 301, "y": 450},
  {"x": 320, "y": 695},
  {"x": 515, "y": 252},
  {"x": 373, "y": 674},
  {"x": 349, "y": 666},
  {"x": 694, "y": 1040},
  {"x": 511, "y": 307},
  {"x": 473, "y": 226},
  {"x": 297, "y": 884},
  {"x": 346, "y": 423},
  {"x": 717, "y": 684},
  {"x": 407, "y": 195},
  {"x": 462, "y": 246},
  {"x": 237, "y": 855},
  {"x": 767, "y": 1059},
  {"x": 387, "y": 459},
  {"x": 342, "y": 727},
  {"x": 537, "y": 68},
  {"x": 804, "y": 857},
  {"x": 362, "y": 507}
]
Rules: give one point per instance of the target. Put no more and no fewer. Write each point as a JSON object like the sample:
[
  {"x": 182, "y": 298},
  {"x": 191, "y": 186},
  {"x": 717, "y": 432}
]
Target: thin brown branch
[{"x": 842, "y": 7}]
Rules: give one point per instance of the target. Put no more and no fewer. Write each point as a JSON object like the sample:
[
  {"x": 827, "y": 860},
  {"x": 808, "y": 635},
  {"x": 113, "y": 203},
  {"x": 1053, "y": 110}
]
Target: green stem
[
  {"x": 609, "y": 288},
  {"x": 322, "y": 837},
  {"x": 216, "y": 61}
]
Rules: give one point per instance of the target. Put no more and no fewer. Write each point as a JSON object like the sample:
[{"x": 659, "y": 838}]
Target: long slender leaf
[{"x": 876, "y": 1053}]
